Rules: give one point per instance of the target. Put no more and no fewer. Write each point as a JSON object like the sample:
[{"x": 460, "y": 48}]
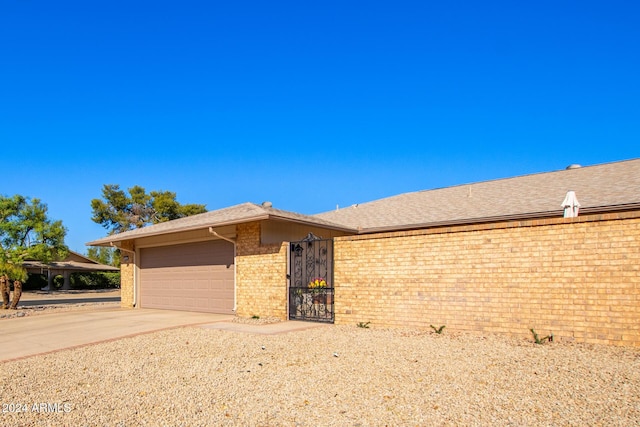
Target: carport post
[{"x": 133, "y": 261}]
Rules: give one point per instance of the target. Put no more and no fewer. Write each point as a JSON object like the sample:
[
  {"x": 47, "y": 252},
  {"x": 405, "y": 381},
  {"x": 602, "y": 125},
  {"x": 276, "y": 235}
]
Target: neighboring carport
[{"x": 73, "y": 263}]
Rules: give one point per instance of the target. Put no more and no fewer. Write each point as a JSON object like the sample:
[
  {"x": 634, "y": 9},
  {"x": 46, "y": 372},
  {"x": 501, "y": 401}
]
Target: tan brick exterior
[
  {"x": 126, "y": 275},
  {"x": 578, "y": 278},
  {"x": 261, "y": 272}
]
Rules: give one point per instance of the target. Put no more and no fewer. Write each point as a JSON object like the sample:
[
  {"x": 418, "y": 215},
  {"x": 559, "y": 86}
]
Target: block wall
[
  {"x": 261, "y": 274},
  {"x": 576, "y": 278}
]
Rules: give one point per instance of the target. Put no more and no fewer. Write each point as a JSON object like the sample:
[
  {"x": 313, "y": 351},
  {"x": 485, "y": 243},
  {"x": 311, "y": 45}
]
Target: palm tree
[{"x": 11, "y": 272}]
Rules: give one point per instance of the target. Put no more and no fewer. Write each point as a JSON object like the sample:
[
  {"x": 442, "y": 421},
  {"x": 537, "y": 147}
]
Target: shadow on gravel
[
  {"x": 74, "y": 296},
  {"x": 61, "y": 301}
]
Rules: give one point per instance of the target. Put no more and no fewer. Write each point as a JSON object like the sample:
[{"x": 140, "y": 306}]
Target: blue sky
[{"x": 307, "y": 105}]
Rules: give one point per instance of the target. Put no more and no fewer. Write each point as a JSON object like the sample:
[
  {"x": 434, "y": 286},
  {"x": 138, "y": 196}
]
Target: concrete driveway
[{"x": 31, "y": 335}]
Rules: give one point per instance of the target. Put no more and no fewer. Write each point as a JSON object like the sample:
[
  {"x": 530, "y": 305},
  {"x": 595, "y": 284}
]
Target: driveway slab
[{"x": 31, "y": 335}]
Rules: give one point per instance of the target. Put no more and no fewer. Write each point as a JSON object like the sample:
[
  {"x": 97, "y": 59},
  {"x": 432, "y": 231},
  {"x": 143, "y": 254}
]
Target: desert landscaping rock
[{"x": 195, "y": 376}]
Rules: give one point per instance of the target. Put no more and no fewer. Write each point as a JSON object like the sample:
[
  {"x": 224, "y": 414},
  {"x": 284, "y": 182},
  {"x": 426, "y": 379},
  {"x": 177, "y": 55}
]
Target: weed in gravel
[
  {"x": 539, "y": 340},
  {"x": 438, "y": 330}
]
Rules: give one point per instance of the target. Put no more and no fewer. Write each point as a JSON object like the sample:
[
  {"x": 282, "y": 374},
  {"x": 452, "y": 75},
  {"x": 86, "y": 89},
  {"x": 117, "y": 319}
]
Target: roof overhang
[
  {"x": 68, "y": 266},
  {"x": 502, "y": 218},
  {"x": 140, "y": 233}
]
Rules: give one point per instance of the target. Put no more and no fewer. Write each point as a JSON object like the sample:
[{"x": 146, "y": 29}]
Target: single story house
[
  {"x": 557, "y": 252},
  {"x": 72, "y": 263}
]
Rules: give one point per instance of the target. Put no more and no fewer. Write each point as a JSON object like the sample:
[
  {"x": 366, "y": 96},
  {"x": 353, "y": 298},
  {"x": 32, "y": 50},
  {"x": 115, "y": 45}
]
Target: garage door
[{"x": 192, "y": 277}]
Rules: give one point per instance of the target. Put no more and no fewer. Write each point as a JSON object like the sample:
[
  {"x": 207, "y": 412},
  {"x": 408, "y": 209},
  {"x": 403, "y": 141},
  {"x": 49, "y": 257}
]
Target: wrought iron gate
[{"x": 311, "y": 274}]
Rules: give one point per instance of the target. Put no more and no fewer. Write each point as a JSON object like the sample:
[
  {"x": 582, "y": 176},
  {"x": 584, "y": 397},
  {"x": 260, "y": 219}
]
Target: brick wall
[
  {"x": 126, "y": 276},
  {"x": 260, "y": 274},
  {"x": 578, "y": 278}
]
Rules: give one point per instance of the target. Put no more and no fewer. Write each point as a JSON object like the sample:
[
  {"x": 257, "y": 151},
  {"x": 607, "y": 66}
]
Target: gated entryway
[{"x": 311, "y": 274}]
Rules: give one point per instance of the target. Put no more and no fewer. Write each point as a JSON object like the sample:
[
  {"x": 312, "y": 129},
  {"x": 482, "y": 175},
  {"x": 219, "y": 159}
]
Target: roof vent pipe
[
  {"x": 571, "y": 205},
  {"x": 573, "y": 166}
]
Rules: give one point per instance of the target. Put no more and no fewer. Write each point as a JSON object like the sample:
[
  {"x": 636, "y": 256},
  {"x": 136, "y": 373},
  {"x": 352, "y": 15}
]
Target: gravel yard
[{"x": 330, "y": 376}]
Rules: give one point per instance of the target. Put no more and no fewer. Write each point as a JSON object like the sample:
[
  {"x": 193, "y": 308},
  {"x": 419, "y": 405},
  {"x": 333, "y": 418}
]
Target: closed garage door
[{"x": 191, "y": 277}]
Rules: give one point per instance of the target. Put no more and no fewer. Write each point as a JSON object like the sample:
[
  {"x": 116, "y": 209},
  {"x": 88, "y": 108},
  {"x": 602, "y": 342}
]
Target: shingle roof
[
  {"x": 599, "y": 188},
  {"x": 237, "y": 214},
  {"x": 73, "y": 262},
  {"x": 602, "y": 187},
  {"x": 69, "y": 265}
]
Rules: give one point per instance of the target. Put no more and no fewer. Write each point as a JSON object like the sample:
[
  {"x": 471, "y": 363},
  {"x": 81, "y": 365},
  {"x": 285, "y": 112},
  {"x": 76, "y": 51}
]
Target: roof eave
[
  {"x": 109, "y": 241},
  {"x": 333, "y": 226},
  {"x": 519, "y": 217},
  {"x": 467, "y": 221}
]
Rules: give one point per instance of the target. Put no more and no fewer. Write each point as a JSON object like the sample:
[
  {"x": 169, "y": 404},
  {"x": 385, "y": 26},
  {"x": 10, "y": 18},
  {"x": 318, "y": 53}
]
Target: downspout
[
  {"x": 235, "y": 288},
  {"x": 135, "y": 282}
]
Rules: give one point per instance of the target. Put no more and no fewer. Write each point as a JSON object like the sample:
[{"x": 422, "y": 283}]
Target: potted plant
[{"x": 318, "y": 293}]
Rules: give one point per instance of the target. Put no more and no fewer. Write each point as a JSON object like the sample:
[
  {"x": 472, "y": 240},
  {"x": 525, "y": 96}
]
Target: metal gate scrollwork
[{"x": 311, "y": 272}]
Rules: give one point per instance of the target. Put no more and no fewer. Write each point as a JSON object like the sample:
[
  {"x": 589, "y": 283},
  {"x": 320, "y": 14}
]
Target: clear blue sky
[{"x": 306, "y": 104}]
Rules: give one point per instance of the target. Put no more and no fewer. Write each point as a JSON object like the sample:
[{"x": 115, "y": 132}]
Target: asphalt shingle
[
  {"x": 245, "y": 212},
  {"x": 605, "y": 186},
  {"x": 599, "y": 188}
]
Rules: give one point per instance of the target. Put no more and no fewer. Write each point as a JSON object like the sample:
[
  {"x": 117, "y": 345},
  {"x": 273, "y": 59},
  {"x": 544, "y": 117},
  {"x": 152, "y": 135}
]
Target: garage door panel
[{"x": 192, "y": 277}]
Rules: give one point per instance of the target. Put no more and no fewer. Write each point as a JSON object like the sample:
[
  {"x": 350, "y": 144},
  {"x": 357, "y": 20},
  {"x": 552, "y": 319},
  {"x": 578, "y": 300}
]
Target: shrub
[
  {"x": 35, "y": 282},
  {"x": 95, "y": 280}
]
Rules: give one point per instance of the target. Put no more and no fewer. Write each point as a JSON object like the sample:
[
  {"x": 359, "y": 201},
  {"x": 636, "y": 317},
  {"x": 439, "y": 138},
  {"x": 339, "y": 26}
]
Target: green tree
[
  {"x": 26, "y": 233},
  {"x": 118, "y": 211},
  {"x": 104, "y": 255}
]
